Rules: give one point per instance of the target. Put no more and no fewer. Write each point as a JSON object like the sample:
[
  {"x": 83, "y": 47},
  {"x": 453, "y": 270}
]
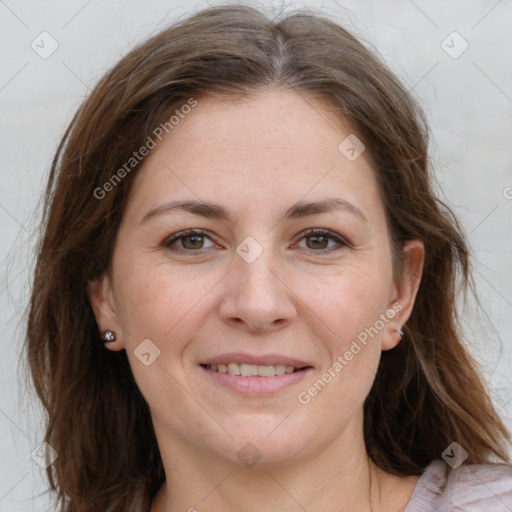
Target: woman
[{"x": 245, "y": 292}]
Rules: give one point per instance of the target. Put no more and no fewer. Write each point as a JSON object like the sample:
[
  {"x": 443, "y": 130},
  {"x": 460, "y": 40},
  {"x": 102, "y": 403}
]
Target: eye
[
  {"x": 191, "y": 240},
  {"x": 320, "y": 240}
]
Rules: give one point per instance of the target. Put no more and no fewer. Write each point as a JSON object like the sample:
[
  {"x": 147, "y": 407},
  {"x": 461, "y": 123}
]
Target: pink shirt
[{"x": 469, "y": 488}]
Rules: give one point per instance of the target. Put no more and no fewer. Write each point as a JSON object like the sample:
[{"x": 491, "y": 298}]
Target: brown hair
[{"x": 428, "y": 391}]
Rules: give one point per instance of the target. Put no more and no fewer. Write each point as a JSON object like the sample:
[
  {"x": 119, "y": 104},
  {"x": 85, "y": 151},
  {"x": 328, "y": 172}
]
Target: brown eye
[
  {"x": 194, "y": 241},
  {"x": 186, "y": 241},
  {"x": 318, "y": 241}
]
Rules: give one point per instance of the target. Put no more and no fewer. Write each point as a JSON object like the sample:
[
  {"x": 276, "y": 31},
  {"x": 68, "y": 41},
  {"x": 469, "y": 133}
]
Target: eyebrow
[{"x": 217, "y": 211}]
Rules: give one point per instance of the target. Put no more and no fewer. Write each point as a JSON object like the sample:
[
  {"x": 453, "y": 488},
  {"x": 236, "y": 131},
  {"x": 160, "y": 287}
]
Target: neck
[
  {"x": 298, "y": 487},
  {"x": 337, "y": 473}
]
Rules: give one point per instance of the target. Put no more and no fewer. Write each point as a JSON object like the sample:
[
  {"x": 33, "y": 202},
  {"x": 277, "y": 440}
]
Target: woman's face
[{"x": 252, "y": 287}]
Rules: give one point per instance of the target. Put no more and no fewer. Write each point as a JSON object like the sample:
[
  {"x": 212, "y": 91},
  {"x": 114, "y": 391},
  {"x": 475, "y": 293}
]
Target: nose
[{"x": 257, "y": 297}]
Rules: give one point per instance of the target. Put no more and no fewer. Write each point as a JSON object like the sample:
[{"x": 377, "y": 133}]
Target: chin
[{"x": 263, "y": 443}]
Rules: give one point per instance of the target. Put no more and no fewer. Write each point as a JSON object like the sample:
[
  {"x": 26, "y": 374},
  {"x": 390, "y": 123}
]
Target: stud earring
[
  {"x": 108, "y": 335},
  {"x": 400, "y": 333}
]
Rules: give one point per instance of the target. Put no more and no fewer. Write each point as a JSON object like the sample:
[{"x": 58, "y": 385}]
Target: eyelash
[{"x": 168, "y": 242}]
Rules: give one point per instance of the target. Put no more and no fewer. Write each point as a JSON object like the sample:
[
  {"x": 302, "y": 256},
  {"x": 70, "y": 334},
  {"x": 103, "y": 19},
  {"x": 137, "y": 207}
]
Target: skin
[{"x": 257, "y": 157}]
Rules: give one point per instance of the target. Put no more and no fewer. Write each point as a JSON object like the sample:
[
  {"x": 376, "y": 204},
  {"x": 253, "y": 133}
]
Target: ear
[
  {"x": 101, "y": 297},
  {"x": 404, "y": 291}
]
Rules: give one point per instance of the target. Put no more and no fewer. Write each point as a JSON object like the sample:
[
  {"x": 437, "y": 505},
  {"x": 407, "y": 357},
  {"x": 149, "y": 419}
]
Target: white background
[{"x": 468, "y": 101}]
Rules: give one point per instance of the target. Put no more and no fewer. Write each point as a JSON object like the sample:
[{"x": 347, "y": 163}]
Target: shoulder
[{"x": 469, "y": 488}]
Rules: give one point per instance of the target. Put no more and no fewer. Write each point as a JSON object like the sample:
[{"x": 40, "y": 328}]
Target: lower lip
[{"x": 256, "y": 386}]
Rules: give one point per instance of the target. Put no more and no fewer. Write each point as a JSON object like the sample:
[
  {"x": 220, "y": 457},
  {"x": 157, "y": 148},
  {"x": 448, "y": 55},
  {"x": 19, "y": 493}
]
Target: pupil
[
  {"x": 318, "y": 238},
  {"x": 191, "y": 237}
]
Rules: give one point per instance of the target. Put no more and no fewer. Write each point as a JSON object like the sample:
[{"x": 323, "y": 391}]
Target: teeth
[
  {"x": 248, "y": 370},
  {"x": 252, "y": 370},
  {"x": 265, "y": 371},
  {"x": 234, "y": 369},
  {"x": 280, "y": 369}
]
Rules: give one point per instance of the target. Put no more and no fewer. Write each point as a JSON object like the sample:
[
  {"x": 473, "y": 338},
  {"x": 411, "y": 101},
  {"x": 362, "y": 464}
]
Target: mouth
[
  {"x": 254, "y": 370},
  {"x": 254, "y": 376}
]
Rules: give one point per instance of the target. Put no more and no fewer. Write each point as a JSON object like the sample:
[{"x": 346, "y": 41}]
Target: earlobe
[
  {"x": 100, "y": 295},
  {"x": 405, "y": 291}
]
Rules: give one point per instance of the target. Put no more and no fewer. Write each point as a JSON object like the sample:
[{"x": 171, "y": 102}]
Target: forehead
[
  {"x": 263, "y": 121},
  {"x": 273, "y": 146}
]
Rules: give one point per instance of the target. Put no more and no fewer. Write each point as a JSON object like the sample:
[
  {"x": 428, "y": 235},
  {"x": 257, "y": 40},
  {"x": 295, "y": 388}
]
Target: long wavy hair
[{"x": 428, "y": 391}]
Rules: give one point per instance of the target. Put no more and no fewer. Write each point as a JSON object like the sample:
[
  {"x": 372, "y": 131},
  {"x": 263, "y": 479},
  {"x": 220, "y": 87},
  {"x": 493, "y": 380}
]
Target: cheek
[
  {"x": 162, "y": 303},
  {"x": 164, "y": 307},
  {"x": 350, "y": 303},
  {"x": 349, "y": 300},
  {"x": 146, "y": 303}
]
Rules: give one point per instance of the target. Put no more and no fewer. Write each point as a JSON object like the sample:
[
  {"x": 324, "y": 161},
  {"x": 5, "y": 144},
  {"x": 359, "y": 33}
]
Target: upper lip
[{"x": 262, "y": 360}]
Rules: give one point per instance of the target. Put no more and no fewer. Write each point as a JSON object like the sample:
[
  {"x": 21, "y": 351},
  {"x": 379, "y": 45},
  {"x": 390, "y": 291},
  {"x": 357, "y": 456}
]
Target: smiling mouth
[{"x": 253, "y": 370}]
